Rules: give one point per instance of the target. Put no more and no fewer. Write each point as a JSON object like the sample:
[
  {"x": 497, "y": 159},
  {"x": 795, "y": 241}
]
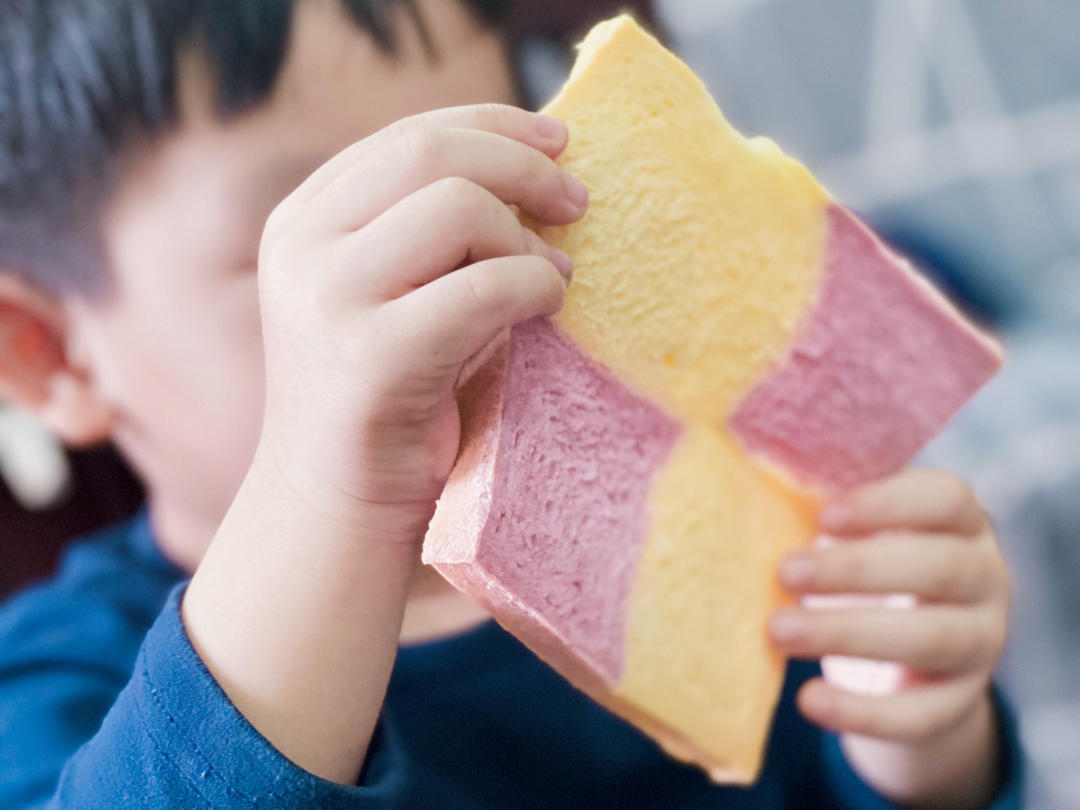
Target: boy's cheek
[{"x": 185, "y": 381}]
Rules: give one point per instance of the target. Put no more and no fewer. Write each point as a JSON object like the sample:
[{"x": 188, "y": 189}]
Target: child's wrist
[
  {"x": 285, "y": 480},
  {"x": 296, "y": 611},
  {"x": 957, "y": 767}
]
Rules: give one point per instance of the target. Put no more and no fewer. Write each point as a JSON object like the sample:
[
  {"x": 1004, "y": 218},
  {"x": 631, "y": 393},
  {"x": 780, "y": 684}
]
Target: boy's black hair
[{"x": 82, "y": 79}]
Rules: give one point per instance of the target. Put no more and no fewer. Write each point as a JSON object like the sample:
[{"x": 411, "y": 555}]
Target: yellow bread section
[
  {"x": 700, "y": 256},
  {"x": 701, "y": 251},
  {"x": 698, "y": 658}
]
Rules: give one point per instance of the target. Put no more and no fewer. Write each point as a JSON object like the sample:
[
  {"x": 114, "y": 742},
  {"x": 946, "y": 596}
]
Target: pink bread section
[
  {"x": 547, "y": 510},
  {"x": 881, "y": 365}
]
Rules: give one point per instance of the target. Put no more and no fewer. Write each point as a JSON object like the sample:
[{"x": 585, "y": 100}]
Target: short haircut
[{"x": 81, "y": 80}]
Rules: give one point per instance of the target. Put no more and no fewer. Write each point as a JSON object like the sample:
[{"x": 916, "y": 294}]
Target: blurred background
[{"x": 953, "y": 126}]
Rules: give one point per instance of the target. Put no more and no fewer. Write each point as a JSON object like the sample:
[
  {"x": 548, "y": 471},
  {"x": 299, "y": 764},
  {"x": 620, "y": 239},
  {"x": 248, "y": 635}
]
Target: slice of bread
[{"x": 734, "y": 346}]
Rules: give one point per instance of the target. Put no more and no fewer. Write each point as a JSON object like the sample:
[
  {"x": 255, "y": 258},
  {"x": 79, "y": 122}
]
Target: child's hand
[
  {"x": 920, "y": 533},
  {"x": 381, "y": 276}
]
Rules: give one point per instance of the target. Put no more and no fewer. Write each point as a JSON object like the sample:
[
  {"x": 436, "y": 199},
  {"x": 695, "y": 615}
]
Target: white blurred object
[
  {"x": 862, "y": 676},
  {"x": 32, "y": 463}
]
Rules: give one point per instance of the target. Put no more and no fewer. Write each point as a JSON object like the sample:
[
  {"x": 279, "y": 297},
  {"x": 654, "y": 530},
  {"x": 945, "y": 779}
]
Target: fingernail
[
  {"x": 798, "y": 568},
  {"x": 562, "y": 261},
  {"x": 550, "y": 127},
  {"x": 835, "y": 514},
  {"x": 576, "y": 191},
  {"x": 786, "y": 626}
]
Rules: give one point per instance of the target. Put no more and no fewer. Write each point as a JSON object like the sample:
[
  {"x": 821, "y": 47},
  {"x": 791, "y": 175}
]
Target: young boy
[{"x": 288, "y": 402}]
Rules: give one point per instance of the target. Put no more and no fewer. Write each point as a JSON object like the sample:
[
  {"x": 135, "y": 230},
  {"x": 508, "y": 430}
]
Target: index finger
[
  {"x": 918, "y": 499},
  {"x": 542, "y": 132},
  {"x": 515, "y": 173}
]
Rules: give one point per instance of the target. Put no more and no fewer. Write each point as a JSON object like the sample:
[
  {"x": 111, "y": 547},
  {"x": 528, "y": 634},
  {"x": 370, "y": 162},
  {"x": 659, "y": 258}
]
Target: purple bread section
[
  {"x": 572, "y": 481},
  {"x": 547, "y": 512},
  {"x": 882, "y": 364}
]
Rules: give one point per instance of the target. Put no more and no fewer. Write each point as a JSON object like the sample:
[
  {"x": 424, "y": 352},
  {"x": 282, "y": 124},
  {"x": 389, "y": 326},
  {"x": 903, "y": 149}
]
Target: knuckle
[
  {"x": 325, "y": 307},
  {"x": 950, "y": 577},
  {"x": 339, "y": 264},
  {"x": 994, "y": 575},
  {"x": 933, "y": 476},
  {"x": 982, "y": 642},
  {"x": 411, "y": 123},
  {"x": 830, "y": 633},
  {"x": 462, "y": 195},
  {"x": 845, "y": 567},
  {"x": 1000, "y": 637},
  {"x": 399, "y": 127},
  {"x": 980, "y": 578},
  {"x": 351, "y": 154},
  {"x": 555, "y": 292},
  {"x": 996, "y": 635},
  {"x": 547, "y": 289},
  {"x": 482, "y": 289},
  {"x": 957, "y": 493},
  {"x": 1004, "y": 579},
  {"x": 490, "y": 115},
  {"x": 530, "y": 242},
  {"x": 933, "y": 644},
  {"x": 283, "y": 239},
  {"x": 991, "y": 576},
  {"x": 474, "y": 210},
  {"x": 423, "y": 150},
  {"x": 534, "y": 169},
  {"x": 275, "y": 223},
  {"x": 970, "y": 647}
]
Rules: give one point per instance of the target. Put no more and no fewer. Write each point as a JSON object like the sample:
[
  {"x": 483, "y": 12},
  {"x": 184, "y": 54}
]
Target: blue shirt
[{"x": 104, "y": 704}]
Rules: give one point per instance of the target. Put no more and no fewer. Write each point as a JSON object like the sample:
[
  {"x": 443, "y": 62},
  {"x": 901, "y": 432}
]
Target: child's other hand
[
  {"x": 381, "y": 276},
  {"x": 921, "y": 533}
]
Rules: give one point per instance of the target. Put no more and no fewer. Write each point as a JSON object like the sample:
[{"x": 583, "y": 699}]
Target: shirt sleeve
[
  {"x": 851, "y": 791},
  {"x": 173, "y": 739}
]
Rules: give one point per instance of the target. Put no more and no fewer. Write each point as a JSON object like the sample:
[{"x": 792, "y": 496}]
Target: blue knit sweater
[{"x": 104, "y": 704}]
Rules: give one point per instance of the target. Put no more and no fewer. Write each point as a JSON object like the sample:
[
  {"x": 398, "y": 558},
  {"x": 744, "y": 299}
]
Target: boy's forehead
[
  {"x": 333, "y": 67},
  {"x": 337, "y": 86}
]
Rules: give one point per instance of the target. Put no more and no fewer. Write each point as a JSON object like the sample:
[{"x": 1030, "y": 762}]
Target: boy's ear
[{"x": 37, "y": 371}]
